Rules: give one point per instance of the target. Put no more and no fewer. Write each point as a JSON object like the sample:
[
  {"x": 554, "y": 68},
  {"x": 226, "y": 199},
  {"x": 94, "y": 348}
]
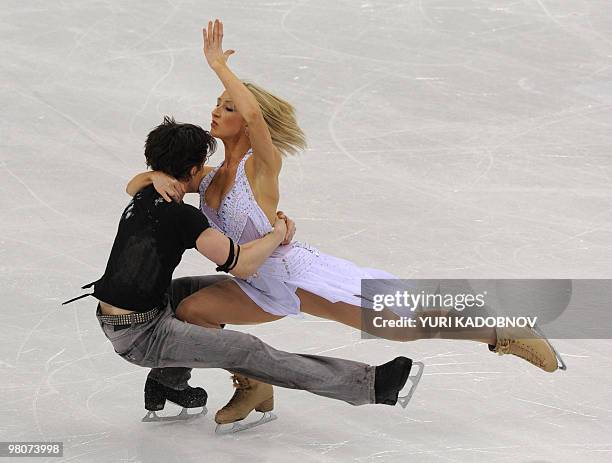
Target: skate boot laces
[{"x": 241, "y": 383}]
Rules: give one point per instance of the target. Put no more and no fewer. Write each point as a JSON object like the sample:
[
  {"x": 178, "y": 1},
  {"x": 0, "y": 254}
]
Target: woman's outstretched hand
[
  {"x": 168, "y": 187},
  {"x": 213, "y": 44}
]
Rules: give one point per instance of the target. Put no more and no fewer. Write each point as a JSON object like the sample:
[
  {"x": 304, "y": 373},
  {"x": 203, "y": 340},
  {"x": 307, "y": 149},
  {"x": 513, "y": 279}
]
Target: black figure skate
[
  {"x": 391, "y": 377},
  {"x": 156, "y": 395}
]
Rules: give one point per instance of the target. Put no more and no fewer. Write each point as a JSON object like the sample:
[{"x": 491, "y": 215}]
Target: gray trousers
[{"x": 166, "y": 343}]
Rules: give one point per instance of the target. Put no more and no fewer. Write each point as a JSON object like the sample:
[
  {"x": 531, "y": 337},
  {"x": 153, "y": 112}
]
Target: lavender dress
[{"x": 296, "y": 265}]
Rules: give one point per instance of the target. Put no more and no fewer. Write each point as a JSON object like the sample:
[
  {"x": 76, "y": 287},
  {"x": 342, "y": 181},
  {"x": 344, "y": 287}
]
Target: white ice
[{"x": 447, "y": 139}]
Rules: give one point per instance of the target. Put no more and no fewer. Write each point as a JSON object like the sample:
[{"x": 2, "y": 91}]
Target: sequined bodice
[{"x": 239, "y": 216}]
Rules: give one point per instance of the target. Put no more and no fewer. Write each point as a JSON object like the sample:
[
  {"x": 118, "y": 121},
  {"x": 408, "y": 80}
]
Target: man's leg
[
  {"x": 173, "y": 343},
  {"x": 177, "y": 377}
]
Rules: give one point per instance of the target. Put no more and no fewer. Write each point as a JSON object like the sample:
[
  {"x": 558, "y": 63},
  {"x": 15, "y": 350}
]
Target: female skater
[{"x": 240, "y": 197}]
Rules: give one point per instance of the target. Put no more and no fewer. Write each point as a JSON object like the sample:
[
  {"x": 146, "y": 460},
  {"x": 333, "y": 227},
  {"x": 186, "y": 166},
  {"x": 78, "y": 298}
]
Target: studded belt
[{"x": 128, "y": 319}]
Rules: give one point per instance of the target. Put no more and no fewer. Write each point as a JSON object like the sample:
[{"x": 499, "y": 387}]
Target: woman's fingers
[
  {"x": 174, "y": 189},
  {"x": 164, "y": 195},
  {"x": 215, "y": 32},
  {"x": 172, "y": 192},
  {"x": 213, "y": 38},
  {"x": 179, "y": 192},
  {"x": 168, "y": 187}
]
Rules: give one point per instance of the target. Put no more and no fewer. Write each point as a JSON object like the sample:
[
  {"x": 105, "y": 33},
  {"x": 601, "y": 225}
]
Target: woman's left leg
[{"x": 362, "y": 318}]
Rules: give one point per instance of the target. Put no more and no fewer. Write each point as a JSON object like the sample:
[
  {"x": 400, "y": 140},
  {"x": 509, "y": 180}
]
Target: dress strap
[{"x": 246, "y": 156}]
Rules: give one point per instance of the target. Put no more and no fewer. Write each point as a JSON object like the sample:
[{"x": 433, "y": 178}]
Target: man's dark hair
[{"x": 174, "y": 148}]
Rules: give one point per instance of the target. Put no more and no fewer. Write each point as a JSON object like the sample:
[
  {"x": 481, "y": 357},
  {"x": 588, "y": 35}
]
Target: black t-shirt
[{"x": 150, "y": 241}]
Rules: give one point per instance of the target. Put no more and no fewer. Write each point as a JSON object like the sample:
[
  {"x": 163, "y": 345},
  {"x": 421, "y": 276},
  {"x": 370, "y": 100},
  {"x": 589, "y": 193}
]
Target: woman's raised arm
[{"x": 265, "y": 154}]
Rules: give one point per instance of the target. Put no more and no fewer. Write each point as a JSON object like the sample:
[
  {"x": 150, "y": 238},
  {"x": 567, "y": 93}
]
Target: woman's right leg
[
  {"x": 221, "y": 303},
  {"x": 181, "y": 288}
]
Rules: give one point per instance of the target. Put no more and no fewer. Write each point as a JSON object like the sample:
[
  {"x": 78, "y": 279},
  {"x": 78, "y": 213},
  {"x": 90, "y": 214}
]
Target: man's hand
[
  {"x": 280, "y": 227},
  {"x": 168, "y": 187},
  {"x": 290, "y": 227}
]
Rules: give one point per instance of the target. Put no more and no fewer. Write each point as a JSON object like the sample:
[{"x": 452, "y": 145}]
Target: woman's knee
[
  {"x": 184, "y": 311},
  {"x": 191, "y": 311},
  {"x": 184, "y": 287}
]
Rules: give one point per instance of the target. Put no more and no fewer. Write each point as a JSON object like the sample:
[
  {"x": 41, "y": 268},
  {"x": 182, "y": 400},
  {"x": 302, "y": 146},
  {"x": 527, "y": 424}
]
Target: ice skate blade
[
  {"x": 414, "y": 380},
  {"x": 560, "y": 363},
  {"x": 152, "y": 417},
  {"x": 237, "y": 426}
]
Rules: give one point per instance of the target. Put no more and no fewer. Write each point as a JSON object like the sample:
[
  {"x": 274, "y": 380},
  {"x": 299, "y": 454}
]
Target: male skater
[{"x": 135, "y": 309}]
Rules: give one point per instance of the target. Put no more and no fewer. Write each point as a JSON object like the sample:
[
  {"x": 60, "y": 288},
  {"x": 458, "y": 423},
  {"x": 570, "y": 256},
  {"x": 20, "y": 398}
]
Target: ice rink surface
[{"x": 447, "y": 139}]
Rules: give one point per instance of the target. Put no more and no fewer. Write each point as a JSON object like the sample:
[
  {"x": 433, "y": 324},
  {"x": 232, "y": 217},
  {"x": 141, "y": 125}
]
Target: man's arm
[{"x": 215, "y": 246}]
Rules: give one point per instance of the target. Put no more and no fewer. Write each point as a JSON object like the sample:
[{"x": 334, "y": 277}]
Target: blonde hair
[{"x": 279, "y": 114}]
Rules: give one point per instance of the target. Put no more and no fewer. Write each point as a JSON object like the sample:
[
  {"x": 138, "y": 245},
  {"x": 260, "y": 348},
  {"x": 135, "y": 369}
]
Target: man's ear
[{"x": 193, "y": 171}]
